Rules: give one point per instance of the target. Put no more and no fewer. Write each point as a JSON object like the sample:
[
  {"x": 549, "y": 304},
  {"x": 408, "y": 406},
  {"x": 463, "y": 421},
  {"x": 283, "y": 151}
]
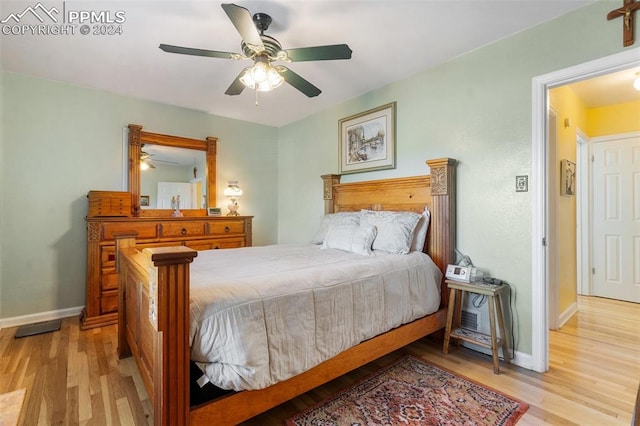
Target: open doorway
[{"x": 541, "y": 292}]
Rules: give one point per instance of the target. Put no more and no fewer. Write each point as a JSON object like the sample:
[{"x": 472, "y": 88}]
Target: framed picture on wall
[
  {"x": 567, "y": 178},
  {"x": 144, "y": 201},
  {"x": 367, "y": 141}
]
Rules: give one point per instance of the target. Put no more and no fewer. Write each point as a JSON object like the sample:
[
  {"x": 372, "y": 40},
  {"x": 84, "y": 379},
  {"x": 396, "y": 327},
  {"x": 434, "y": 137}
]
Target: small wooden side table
[{"x": 456, "y": 331}]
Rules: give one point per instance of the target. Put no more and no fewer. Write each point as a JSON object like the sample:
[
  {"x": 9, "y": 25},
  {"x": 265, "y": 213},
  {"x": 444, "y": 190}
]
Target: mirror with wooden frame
[{"x": 139, "y": 139}]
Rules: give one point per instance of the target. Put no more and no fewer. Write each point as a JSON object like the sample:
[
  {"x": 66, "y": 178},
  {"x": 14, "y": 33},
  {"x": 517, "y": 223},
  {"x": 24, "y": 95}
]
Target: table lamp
[{"x": 233, "y": 192}]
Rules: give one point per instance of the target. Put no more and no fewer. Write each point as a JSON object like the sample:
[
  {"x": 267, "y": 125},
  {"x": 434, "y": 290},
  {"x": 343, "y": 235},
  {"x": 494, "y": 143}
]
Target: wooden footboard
[
  {"x": 153, "y": 320},
  {"x": 153, "y": 324}
]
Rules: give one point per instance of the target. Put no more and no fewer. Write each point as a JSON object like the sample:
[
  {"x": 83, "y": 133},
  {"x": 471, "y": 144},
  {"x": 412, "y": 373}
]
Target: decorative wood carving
[
  {"x": 328, "y": 182},
  {"x": 93, "y": 231}
]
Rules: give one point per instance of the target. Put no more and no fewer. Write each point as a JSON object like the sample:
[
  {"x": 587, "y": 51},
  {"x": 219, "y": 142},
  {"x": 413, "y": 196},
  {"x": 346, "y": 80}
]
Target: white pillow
[
  {"x": 353, "y": 238},
  {"x": 395, "y": 229},
  {"x": 341, "y": 218},
  {"x": 420, "y": 233}
]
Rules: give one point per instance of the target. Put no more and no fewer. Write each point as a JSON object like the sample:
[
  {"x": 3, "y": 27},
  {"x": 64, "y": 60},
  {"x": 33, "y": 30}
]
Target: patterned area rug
[{"x": 413, "y": 392}]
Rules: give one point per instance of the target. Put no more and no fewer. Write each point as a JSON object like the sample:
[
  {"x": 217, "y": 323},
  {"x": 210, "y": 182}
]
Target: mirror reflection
[{"x": 170, "y": 175}]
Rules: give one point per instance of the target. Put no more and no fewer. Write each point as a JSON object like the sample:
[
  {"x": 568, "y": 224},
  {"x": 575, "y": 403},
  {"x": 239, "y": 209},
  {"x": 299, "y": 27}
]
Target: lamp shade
[{"x": 233, "y": 190}]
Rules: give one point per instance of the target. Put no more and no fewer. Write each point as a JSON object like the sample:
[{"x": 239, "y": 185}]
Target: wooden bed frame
[{"x": 153, "y": 320}]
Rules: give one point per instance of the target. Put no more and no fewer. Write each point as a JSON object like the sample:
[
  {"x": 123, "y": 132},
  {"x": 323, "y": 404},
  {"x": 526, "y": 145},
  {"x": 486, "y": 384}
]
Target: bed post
[
  {"x": 443, "y": 205},
  {"x": 171, "y": 363},
  {"x": 328, "y": 183}
]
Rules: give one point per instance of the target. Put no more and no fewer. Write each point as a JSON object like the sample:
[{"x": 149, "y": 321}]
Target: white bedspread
[{"x": 261, "y": 315}]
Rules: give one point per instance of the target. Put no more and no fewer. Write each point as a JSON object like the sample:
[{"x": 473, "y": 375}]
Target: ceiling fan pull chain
[{"x": 256, "y": 95}]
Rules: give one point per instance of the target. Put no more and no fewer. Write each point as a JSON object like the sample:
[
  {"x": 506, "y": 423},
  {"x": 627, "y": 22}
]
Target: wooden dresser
[{"x": 196, "y": 232}]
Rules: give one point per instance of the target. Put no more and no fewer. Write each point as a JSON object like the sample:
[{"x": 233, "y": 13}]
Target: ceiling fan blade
[
  {"x": 320, "y": 53},
  {"x": 236, "y": 87},
  {"x": 241, "y": 19},
  {"x": 197, "y": 52},
  {"x": 299, "y": 83}
]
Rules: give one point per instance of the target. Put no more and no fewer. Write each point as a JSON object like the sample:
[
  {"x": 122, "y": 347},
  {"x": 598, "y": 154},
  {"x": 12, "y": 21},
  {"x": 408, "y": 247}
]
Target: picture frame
[
  {"x": 567, "y": 178},
  {"x": 144, "y": 200},
  {"x": 214, "y": 211},
  {"x": 367, "y": 141}
]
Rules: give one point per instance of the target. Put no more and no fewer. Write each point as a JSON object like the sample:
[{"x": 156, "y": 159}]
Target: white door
[
  {"x": 168, "y": 190},
  {"x": 616, "y": 219}
]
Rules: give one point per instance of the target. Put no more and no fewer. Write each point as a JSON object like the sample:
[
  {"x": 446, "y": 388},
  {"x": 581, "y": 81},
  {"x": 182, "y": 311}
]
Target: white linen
[
  {"x": 395, "y": 229},
  {"x": 261, "y": 315},
  {"x": 354, "y": 238}
]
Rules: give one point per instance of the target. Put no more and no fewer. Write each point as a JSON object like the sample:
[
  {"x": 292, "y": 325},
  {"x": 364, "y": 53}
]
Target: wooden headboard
[{"x": 437, "y": 191}]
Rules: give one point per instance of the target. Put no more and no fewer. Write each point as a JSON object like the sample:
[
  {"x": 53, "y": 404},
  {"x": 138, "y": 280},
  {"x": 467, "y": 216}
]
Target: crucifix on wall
[{"x": 627, "y": 12}]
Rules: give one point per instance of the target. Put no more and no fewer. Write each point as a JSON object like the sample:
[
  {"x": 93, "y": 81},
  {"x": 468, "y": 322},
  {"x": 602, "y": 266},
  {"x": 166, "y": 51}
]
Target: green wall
[
  {"x": 61, "y": 141},
  {"x": 476, "y": 109}
]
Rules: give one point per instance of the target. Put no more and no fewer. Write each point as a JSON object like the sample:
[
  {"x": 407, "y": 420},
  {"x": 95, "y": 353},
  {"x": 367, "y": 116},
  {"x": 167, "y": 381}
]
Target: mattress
[{"x": 260, "y": 315}]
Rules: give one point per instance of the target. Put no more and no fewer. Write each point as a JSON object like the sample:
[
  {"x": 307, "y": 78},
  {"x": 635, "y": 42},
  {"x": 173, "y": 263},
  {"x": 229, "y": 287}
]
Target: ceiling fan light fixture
[
  {"x": 261, "y": 77},
  {"x": 259, "y": 72},
  {"x": 636, "y": 82}
]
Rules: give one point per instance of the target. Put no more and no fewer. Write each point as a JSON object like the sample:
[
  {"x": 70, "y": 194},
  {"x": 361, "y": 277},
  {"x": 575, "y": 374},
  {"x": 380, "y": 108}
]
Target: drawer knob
[
  {"x": 216, "y": 248},
  {"x": 184, "y": 231},
  {"x": 227, "y": 229}
]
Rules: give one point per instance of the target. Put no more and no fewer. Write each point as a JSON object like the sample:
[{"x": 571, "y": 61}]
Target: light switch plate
[{"x": 522, "y": 183}]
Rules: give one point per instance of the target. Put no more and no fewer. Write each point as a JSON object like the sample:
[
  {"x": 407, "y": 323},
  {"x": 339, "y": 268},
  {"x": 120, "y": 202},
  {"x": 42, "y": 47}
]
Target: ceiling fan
[
  {"x": 264, "y": 50},
  {"x": 146, "y": 161}
]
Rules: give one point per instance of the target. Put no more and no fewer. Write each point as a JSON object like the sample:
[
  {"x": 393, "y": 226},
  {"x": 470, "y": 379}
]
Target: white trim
[
  {"x": 567, "y": 314},
  {"x": 583, "y": 214},
  {"x": 539, "y": 273},
  {"x": 40, "y": 317},
  {"x": 520, "y": 359},
  {"x": 553, "y": 181},
  {"x": 615, "y": 137}
]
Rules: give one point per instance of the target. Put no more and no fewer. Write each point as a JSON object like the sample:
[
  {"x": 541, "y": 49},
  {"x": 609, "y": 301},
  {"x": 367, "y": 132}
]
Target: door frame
[
  {"x": 583, "y": 214},
  {"x": 539, "y": 253}
]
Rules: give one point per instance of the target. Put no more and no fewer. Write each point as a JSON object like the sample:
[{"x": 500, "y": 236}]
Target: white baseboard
[
  {"x": 567, "y": 314},
  {"x": 40, "y": 317},
  {"x": 520, "y": 359}
]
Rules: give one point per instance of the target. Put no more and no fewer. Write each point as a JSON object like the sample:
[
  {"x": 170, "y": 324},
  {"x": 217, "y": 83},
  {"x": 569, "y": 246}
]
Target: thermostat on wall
[{"x": 459, "y": 273}]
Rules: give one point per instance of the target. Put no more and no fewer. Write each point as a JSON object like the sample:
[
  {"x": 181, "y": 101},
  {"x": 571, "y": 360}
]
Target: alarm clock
[{"x": 459, "y": 273}]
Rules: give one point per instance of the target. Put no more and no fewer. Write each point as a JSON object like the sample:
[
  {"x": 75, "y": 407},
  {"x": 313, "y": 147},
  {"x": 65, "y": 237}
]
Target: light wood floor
[{"x": 74, "y": 377}]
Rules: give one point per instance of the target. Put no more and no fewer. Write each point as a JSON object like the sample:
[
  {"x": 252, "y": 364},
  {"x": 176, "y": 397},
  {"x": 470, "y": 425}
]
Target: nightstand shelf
[
  {"x": 455, "y": 331},
  {"x": 472, "y": 336}
]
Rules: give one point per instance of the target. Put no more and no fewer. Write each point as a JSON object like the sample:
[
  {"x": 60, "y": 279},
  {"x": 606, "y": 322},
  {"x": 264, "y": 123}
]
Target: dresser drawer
[
  {"x": 143, "y": 229},
  {"x": 181, "y": 229},
  {"x": 221, "y": 243},
  {"x": 109, "y": 302},
  {"x": 108, "y": 256},
  {"x": 109, "y": 280},
  {"x": 109, "y": 203},
  {"x": 222, "y": 227}
]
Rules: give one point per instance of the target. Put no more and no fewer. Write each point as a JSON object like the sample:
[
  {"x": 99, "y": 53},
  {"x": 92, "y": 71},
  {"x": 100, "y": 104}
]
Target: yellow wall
[
  {"x": 602, "y": 121},
  {"x": 621, "y": 118},
  {"x": 568, "y": 107}
]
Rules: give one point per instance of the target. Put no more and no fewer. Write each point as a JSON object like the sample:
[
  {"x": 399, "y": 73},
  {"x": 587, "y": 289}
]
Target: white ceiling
[
  {"x": 390, "y": 40},
  {"x": 609, "y": 89}
]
